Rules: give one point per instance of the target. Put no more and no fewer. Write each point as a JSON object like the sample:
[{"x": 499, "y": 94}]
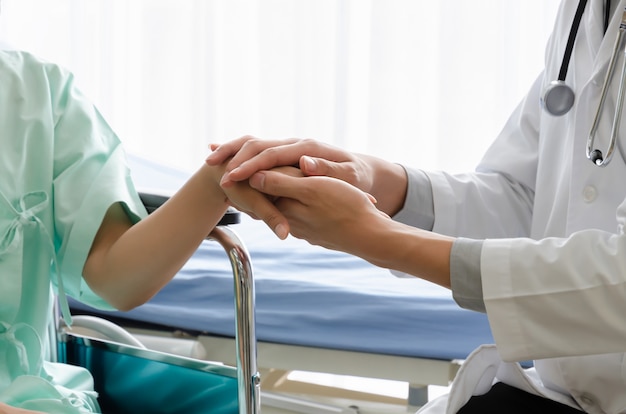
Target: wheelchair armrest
[{"x": 153, "y": 201}]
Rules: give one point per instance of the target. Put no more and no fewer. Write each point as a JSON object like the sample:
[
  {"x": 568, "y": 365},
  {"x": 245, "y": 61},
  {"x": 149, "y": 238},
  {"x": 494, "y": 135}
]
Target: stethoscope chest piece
[{"x": 558, "y": 98}]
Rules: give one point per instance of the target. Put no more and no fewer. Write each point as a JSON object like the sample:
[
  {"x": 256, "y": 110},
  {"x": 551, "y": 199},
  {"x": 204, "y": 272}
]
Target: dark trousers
[{"x": 503, "y": 398}]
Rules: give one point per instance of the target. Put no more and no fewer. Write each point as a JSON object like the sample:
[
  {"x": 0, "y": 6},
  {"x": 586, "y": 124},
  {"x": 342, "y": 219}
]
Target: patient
[{"x": 71, "y": 223}]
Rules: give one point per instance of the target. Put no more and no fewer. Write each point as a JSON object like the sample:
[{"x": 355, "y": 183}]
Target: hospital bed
[{"x": 316, "y": 310}]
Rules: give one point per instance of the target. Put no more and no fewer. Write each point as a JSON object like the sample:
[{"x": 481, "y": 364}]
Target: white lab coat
[{"x": 554, "y": 264}]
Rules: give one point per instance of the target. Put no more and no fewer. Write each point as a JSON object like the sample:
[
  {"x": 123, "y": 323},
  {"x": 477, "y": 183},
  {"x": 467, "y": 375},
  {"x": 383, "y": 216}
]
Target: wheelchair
[{"x": 132, "y": 379}]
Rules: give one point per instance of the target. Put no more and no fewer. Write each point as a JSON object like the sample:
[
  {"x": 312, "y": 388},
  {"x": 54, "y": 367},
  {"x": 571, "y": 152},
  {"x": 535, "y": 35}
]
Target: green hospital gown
[{"x": 61, "y": 167}]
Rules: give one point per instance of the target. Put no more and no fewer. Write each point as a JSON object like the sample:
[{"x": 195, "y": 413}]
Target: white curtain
[{"x": 426, "y": 83}]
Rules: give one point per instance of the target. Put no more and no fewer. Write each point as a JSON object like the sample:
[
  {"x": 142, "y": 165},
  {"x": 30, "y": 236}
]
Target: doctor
[{"x": 534, "y": 236}]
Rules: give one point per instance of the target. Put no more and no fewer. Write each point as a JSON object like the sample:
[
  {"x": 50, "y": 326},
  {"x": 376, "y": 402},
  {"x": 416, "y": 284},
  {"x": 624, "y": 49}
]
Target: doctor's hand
[
  {"x": 384, "y": 180},
  {"x": 334, "y": 214},
  {"x": 258, "y": 205},
  {"x": 324, "y": 211}
]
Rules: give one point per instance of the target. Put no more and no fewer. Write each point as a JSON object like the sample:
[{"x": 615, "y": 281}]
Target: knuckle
[
  {"x": 251, "y": 142},
  {"x": 350, "y": 174},
  {"x": 272, "y": 153},
  {"x": 308, "y": 142}
]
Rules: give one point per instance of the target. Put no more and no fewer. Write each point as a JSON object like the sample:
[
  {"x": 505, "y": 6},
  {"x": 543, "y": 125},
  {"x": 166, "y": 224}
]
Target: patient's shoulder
[{"x": 25, "y": 66}]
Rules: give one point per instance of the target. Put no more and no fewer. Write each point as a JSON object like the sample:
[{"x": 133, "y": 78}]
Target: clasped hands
[{"x": 322, "y": 194}]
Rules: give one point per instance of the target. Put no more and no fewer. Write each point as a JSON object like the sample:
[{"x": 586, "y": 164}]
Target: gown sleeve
[{"x": 90, "y": 174}]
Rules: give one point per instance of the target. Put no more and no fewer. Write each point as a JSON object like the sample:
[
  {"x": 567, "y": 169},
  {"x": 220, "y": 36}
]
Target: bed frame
[{"x": 277, "y": 361}]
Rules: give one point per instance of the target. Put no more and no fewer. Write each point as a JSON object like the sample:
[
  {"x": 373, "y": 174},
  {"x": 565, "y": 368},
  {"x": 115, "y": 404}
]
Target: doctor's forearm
[
  {"x": 418, "y": 211},
  {"x": 412, "y": 251},
  {"x": 446, "y": 261}
]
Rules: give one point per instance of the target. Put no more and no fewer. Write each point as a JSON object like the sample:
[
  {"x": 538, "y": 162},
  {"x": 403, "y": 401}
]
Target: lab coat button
[{"x": 589, "y": 193}]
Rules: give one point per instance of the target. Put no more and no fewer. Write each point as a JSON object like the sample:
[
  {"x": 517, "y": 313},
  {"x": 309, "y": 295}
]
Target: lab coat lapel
[
  {"x": 594, "y": 21},
  {"x": 601, "y": 45}
]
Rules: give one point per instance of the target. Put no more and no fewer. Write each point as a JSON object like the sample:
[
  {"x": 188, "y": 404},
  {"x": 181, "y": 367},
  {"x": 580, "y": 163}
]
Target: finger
[
  {"x": 221, "y": 152},
  {"x": 262, "y": 155},
  {"x": 269, "y": 213},
  {"x": 278, "y": 224},
  {"x": 271, "y": 216},
  {"x": 278, "y": 184},
  {"x": 342, "y": 170},
  {"x": 318, "y": 166},
  {"x": 372, "y": 198},
  {"x": 277, "y": 154}
]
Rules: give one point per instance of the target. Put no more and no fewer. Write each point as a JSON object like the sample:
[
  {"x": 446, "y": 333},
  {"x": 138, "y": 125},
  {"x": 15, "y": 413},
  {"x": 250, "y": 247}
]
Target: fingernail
[
  {"x": 281, "y": 231},
  {"x": 257, "y": 181},
  {"x": 372, "y": 198},
  {"x": 309, "y": 163},
  {"x": 224, "y": 180}
]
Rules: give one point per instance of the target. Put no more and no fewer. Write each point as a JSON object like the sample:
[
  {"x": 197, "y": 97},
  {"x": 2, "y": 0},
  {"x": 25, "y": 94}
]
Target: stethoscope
[{"x": 558, "y": 97}]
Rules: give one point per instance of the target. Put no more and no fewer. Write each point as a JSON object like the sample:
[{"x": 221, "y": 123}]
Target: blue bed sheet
[{"x": 307, "y": 295}]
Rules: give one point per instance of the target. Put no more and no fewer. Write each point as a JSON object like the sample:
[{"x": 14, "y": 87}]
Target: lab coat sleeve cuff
[
  {"x": 418, "y": 210},
  {"x": 444, "y": 202},
  {"x": 465, "y": 277},
  {"x": 502, "y": 311}
]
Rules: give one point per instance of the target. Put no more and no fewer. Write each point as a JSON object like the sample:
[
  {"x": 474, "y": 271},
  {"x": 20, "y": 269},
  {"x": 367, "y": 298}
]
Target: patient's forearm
[{"x": 127, "y": 266}]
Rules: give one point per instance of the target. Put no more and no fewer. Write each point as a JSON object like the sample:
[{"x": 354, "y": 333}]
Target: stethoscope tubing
[
  {"x": 558, "y": 98},
  {"x": 595, "y": 155},
  {"x": 573, "y": 33}
]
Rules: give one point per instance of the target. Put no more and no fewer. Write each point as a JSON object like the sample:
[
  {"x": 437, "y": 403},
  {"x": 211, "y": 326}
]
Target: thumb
[
  {"x": 311, "y": 166},
  {"x": 277, "y": 184}
]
